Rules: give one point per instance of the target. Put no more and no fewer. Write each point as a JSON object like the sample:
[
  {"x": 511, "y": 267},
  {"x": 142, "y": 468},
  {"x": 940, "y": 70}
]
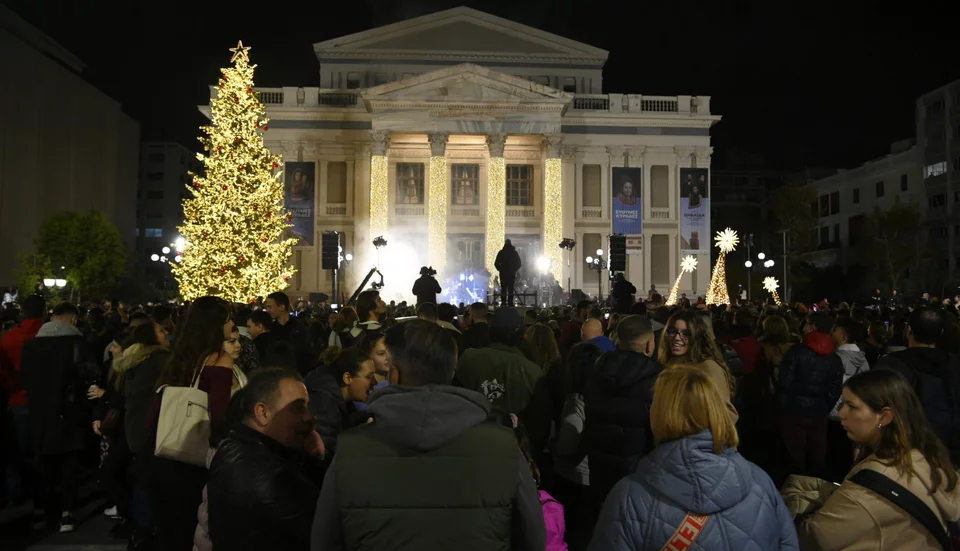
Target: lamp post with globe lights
[
  {"x": 599, "y": 264},
  {"x": 176, "y": 249}
]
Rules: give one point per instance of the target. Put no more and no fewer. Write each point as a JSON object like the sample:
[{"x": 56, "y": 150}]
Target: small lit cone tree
[
  {"x": 688, "y": 264},
  {"x": 235, "y": 223},
  {"x": 771, "y": 285},
  {"x": 727, "y": 241}
]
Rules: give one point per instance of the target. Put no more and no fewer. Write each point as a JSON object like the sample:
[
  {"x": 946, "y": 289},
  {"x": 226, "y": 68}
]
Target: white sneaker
[
  {"x": 67, "y": 524},
  {"x": 111, "y": 512}
]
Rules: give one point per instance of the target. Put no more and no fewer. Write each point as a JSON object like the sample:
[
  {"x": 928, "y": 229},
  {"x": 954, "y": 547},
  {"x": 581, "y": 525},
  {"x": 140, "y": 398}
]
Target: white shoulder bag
[{"x": 183, "y": 432}]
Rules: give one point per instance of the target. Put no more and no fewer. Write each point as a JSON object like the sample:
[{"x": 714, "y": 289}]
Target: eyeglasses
[{"x": 673, "y": 333}]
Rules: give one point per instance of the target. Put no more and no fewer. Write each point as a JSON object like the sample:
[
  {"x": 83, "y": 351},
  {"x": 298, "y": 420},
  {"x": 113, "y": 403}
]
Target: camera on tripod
[{"x": 428, "y": 271}]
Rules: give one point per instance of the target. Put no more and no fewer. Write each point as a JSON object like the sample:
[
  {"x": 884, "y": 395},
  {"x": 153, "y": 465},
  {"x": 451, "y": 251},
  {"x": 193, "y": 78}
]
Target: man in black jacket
[
  {"x": 57, "y": 369},
  {"x": 426, "y": 288},
  {"x": 264, "y": 480},
  {"x": 508, "y": 264},
  {"x": 290, "y": 329}
]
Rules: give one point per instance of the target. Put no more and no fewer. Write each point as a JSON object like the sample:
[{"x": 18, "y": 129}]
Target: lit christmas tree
[
  {"x": 771, "y": 284},
  {"x": 234, "y": 223},
  {"x": 727, "y": 241},
  {"x": 688, "y": 264}
]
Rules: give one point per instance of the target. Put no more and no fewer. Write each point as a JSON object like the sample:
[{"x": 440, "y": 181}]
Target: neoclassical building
[{"x": 450, "y": 132}]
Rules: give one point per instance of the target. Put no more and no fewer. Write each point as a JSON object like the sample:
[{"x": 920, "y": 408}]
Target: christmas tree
[
  {"x": 727, "y": 241},
  {"x": 234, "y": 221}
]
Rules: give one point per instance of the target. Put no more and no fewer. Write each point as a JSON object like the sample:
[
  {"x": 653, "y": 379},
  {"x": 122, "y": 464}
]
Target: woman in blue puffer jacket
[{"x": 693, "y": 491}]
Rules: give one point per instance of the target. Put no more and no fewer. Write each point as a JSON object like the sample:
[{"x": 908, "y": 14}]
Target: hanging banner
[
  {"x": 299, "y": 190},
  {"x": 627, "y": 211},
  {"x": 694, "y": 211}
]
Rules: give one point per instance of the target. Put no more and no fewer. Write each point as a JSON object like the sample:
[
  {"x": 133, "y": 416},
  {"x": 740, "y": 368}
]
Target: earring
[{"x": 880, "y": 426}]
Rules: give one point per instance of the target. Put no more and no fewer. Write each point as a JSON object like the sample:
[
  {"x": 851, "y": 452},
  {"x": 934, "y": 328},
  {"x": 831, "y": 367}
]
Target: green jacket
[
  {"x": 430, "y": 472},
  {"x": 501, "y": 373}
]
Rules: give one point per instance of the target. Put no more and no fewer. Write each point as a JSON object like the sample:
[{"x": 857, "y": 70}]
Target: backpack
[{"x": 554, "y": 522}]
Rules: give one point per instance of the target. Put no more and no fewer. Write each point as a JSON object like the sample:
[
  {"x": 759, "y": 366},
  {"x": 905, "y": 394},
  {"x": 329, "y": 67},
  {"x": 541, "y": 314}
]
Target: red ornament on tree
[
  {"x": 265, "y": 128},
  {"x": 237, "y": 139},
  {"x": 289, "y": 218},
  {"x": 242, "y": 259},
  {"x": 224, "y": 188},
  {"x": 206, "y": 234},
  {"x": 243, "y": 167},
  {"x": 219, "y": 148},
  {"x": 287, "y": 278},
  {"x": 249, "y": 90},
  {"x": 236, "y": 100},
  {"x": 275, "y": 165},
  {"x": 269, "y": 214},
  {"x": 255, "y": 207},
  {"x": 223, "y": 270},
  {"x": 264, "y": 239},
  {"x": 196, "y": 184}
]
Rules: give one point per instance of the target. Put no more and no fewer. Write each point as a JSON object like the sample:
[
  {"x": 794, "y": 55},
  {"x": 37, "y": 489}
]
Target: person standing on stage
[{"x": 508, "y": 264}]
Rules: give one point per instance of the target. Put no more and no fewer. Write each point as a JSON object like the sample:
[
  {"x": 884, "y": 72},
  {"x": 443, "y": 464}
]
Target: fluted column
[
  {"x": 437, "y": 200},
  {"x": 496, "y": 201},
  {"x": 553, "y": 203}
]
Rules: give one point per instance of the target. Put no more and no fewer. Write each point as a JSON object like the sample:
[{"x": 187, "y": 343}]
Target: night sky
[{"x": 820, "y": 84}]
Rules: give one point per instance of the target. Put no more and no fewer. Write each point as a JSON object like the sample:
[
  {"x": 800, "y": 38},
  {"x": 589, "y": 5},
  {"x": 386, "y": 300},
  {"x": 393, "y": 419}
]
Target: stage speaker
[
  {"x": 618, "y": 253},
  {"x": 329, "y": 250}
]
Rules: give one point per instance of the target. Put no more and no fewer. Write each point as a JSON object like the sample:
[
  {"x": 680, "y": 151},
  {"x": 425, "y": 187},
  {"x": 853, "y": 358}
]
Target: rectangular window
[
  {"x": 938, "y": 232},
  {"x": 835, "y": 202},
  {"x": 903, "y": 182},
  {"x": 379, "y": 78},
  {"x": 353, "y": 81},
  {"x": 155, "y": 158},
  {"x": 410, "y": 183},
  {"x": 824, "y": 236},
  {"x": 591, "y": 185},
  {"x": 155, "y": 176},
  {"x": 660, "y": 186},
  {"x": 570, "y": 85},
  {"x": 836, "y": 233},
  {"x": 935, "y": 169},
  {"x": 337, "y": 182},
  {"x": 956, "y": 164},
  {"x": 155, "y": 194},
  {"x": 855, "y": 229},
  {"x": 856, "y": 195},
  {"x": 813, "y": 209},
  {"x": 154, "y": 214},
  {"x": 520, "y": 185},
  {"x": 937, "y": 200},
  {"x": 465, "y": 182},
  {"x": 153, "y": 232},
  {"x": 879, "y": 186},
  {"x": 659, "y": 259},
  {"x": 824, "y": 205}
]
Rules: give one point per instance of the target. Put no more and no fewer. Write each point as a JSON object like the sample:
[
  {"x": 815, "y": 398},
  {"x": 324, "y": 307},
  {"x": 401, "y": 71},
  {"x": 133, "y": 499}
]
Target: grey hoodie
[
  {"x": 854, "y": 361},
  {"x": 424, "y": 418}
]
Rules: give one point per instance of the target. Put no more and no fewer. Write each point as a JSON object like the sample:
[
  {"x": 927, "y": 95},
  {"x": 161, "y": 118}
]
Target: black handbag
[{"x": 910, "y": 503}]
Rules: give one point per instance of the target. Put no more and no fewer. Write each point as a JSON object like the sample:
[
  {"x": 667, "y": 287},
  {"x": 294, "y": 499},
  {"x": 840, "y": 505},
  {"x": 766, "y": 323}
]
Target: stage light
[
  {"x": 543, "y": 264},
  {"x": 49, "y": 282}
]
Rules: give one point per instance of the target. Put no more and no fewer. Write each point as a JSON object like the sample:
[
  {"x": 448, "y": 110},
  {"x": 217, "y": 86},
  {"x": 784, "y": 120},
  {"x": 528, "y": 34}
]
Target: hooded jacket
[
  {"x": 616, "y": 428},
  {"x": 139, "y": 368},
  {"x": 811, "y": 377},
  {"x": 685, "y": 476},
  {"x": 429, "y": 472},
  {"x": 935, "y": 376},
  {"x": 854, "y": 362}
]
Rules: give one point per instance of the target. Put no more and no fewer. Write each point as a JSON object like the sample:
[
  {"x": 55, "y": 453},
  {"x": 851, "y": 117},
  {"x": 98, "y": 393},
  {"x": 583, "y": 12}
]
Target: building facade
[
  {"x": 64, "y": 145},
  {"x": 847, "y": 198},
  {"x": 448, "y": 133},
  {"x": 938, "y": 140},
  {"x": 164, "y": 172}
]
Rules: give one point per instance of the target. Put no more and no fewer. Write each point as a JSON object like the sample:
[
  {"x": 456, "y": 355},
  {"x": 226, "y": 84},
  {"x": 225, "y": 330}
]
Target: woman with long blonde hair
[
  {"x": 688, "y": 340},
  {"x": 694, "y": 484}
]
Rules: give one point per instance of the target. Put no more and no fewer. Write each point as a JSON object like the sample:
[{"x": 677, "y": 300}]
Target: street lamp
[
  {"x": 598, "y": 264},
  {"x": 761, "y": 256}
]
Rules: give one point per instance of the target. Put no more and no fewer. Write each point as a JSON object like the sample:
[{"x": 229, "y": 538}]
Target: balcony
[
  {"x": 291, "y": 96},
  {"x": 465, "y": 212},
  {"x": 521, "y": 212},
  {"x": 659, "y": 213},
  {"x": 336, "y": 209},
  {"x": 409, "y": 210},
  {"x": 591, "y": 213},
  {"x": 638, "y": 103}
]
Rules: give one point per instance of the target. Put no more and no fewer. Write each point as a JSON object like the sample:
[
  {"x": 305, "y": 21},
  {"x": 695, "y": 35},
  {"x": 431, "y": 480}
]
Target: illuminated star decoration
[
  {"x": 240, "y": 51},
  {"x": 688, "y": 264},
  {"x": 771, "y": 284},
  {"x": 727, "y": 241}
]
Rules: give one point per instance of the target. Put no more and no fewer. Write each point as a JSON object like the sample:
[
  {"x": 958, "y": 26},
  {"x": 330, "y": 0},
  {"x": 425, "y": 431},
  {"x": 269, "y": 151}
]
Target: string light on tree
[
  {"x": 687, "y": 265},
  {"x": 726, "y": 241},
  {"x": 771, "y": 285},
  {"x": 233, "y": 246}
]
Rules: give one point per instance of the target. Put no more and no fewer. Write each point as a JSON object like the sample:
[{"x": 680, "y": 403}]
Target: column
[
  {"x": 572, "y": 193},
  {"x": 437, "y": 200},
  {"x": 616, "y": 155},
  {"x": 363, "y": 245},
  {"x": 496, "y": 201},
  {"x": 699, "y": 279},
  {"x": 379, "y": 184},
  {"x": 635, "y": 261},
  {"x": 702, "y": 160},
  {"x": 553, "y": 204}
]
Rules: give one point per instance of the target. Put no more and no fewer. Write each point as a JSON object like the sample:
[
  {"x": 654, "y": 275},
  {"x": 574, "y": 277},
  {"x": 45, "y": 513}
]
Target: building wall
[
  {"x": 64, "y": 145},
  {"x": 164, "y": 174}
]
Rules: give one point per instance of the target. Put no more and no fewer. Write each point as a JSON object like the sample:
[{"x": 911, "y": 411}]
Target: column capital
[
  {"x": 683, "y": 152},
  {"x": 380, "y": 141},
  {"x": 362, "y": 150},
  {"x": 704, "y": 154},
  {"x": 438, "y": 143},
  {"x": 616, "y": 154},
  {"x": 570, "y": 152},
  {"x": 636, "y": 154},
  {"x": 495, "y": 143},
  {"x": 554, "y": 144}
]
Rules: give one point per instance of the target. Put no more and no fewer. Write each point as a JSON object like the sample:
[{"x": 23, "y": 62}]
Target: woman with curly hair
[{"x": 687, "y": 340}]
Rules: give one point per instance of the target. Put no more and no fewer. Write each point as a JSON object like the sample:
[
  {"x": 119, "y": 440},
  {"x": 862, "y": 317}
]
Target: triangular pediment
[
  {"x": 461, "y": 30},
  {"x": 465, "y": 82}
]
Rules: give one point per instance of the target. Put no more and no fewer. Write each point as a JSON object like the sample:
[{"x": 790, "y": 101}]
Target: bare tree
[{"x": 895, "y": 240}]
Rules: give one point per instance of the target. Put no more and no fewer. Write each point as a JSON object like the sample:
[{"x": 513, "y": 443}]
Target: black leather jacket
[
  {"x": 259, "y": 494},
  {"x": 811, "y": 378}
]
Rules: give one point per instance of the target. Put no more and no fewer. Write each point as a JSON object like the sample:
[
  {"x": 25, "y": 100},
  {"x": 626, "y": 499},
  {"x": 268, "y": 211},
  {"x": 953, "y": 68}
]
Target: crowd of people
[{"x": 383, "y": 426}]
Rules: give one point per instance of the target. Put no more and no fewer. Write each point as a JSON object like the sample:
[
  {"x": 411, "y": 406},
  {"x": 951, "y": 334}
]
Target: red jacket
[{"x": 11, "y": 348}]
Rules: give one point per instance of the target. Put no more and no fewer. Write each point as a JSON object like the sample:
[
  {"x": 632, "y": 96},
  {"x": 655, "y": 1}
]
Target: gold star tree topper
[
  {"x": 727, "y": 240},
  {"x": 240, "y": 52},
  {"x": 688, "y": 264},
  {"x": 771, "y": 284}
]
